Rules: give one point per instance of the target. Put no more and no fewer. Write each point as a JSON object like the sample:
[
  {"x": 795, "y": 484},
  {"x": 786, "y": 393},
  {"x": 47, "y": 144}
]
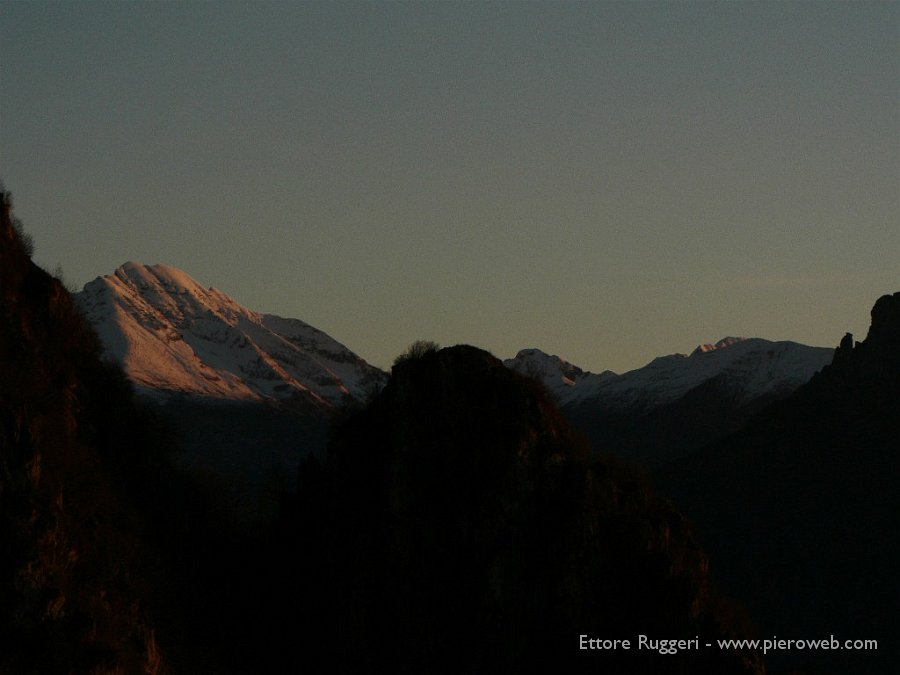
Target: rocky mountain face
[
  {"x": 800, "y": 508},
  {"x": 676, "y": 403},
  {"x": 869, "y": 367}
]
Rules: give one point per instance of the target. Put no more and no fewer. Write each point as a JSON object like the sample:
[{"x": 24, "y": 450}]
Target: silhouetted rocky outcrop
[
  {"x": 457, "y": 527},
  {"x": 867, "y": 369},
  {"x": 800, "y": 511}
]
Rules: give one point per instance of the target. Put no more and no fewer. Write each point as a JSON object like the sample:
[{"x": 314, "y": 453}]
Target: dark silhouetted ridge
[
  {"x": 459, "y": 528},
  {"x": 800, "y": 510},
  {"x": 74, "y": 572}
]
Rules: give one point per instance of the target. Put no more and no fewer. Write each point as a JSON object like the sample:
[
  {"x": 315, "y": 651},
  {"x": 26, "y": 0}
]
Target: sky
[{"x": 608, "y": 182}]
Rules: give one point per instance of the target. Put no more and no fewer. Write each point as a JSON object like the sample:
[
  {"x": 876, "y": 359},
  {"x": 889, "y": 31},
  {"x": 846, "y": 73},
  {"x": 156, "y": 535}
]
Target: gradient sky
[{"x": 605, "y": 181}]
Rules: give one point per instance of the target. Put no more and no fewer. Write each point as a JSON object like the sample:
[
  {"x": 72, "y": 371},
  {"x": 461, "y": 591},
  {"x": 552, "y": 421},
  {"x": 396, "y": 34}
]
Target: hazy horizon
[{"x": 608, "y": 182}]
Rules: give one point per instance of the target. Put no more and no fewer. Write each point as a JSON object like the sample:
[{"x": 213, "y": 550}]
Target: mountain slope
[
  {"x": 565, "y": 381},
  {"x": 749, "y": 368},
  {"x": 800, "y": 510},
  {"x": 173, "y": 335},
  {"x": 676, "y": 403}
]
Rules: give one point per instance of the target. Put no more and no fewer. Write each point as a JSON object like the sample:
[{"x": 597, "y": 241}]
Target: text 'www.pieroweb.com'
[{"x": 669, "y": 646}]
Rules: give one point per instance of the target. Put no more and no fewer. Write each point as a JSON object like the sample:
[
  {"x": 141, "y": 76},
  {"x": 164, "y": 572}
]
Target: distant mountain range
[
  {"x": 748, "y": 369},
  {"x": 176, "y": 339},
  {"x": 172, "y": 335}
]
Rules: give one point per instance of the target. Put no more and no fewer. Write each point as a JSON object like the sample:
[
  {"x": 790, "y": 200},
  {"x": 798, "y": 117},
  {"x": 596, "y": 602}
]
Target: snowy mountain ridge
[
  {"x": 747, "y": 368},
  {"x": 566, "y": 381},
  {"x": 173, "y": 335}
]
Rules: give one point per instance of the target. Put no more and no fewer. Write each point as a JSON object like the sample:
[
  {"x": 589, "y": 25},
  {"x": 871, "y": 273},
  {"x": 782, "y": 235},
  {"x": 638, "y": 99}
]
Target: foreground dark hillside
[
  {"x": 112, "y": 561},
  {"x": 457, "y": 527},
  {"x": 75, "y": 573},
  {"x": 800, "y": 511}
]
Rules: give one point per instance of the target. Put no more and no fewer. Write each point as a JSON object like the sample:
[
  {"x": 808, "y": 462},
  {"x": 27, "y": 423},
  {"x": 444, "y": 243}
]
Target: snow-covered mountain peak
[
  {"x": 171, "y": 289},
  {"x": 539, "y": 364},
  {"x": 563, "y": 379},
  {"x": 747, "y": 368},
  {"x": 721, "y": 344},
  {"x": 172, "y": 334}
]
